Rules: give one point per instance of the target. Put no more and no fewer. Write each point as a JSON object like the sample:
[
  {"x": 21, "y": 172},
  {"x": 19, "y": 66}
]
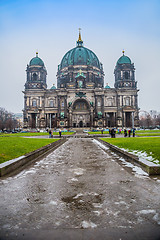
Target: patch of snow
[
  {"x": 120, "y": 202},
  {"x": 6, "y": 226},
  {"x": 157, "y": 218},
  {"x": 100, "y": 144},
  {"x": 97, "y": 205},
  {"x": 109, "y": 212},
  {"x": 30, "y": 171},
  {"x": 78, "y": 171},
  {"x": 156, "y": 161},
  {"x": 74, "y": 179},
  {"x": 57, "y": 223},
  {"x": 98, "y": 213},
  {"x": 139, "y": 171},
  {"x": 86, "y": 224},
  {"x": 142, "y": 155},
  {"x": 146, "y": 211},
  {"x": 53, "y": 203},
  {"x": 158, "y": 181},
  {"x": 78, "y": 195},
  {"x": 136, "y": 169},
  {"x": 92, "y": 193}
]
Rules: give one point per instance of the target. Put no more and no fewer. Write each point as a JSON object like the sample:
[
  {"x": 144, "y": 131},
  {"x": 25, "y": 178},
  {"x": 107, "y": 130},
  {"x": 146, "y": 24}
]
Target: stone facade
[{"x": 80, "y": 99}]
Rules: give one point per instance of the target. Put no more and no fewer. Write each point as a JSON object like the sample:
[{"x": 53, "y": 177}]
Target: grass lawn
[
  {"x": 148, "y": 131},
  {"x": 149, "y": 145},
  {"x": 32, "y": 134},
  {"x": 99, "y": 132},
  {"x": 148, "y": 134},
  {"x": 13, "y": 147},
  {"x": 140, "y": 133}
]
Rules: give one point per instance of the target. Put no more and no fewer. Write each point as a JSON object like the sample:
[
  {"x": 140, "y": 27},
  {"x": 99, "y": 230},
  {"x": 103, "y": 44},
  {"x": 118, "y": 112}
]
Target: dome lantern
[
  {"x": 124, "y": 59},
  {"x": 36, "y": 61}
]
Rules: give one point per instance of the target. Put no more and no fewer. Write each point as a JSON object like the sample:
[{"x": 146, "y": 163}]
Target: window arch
[
  {"x": 62, "y": 104},
  {"x": 35, "y": 77},
  {"x": 99, "y": 103},
  {"x": 51, "y": 103},
  {"x": 109, "y": 100},
  {"x": 127, "y": 101},
  {"x": 34, "y": 103},
  {"x": 126, "y": 74}
]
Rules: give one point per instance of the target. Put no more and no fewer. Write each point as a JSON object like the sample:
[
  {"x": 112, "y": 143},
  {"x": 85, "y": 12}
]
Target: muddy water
[{"x": 82, "y": 184}]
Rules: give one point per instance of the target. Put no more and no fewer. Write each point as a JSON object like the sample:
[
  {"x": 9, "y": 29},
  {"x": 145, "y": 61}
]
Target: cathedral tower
[
  {"x": 36, "y": 74},
  {"x": 124, "y": 73}
]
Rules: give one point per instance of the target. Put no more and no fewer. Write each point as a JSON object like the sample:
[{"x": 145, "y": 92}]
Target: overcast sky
[{"x": 51, "y": 28}]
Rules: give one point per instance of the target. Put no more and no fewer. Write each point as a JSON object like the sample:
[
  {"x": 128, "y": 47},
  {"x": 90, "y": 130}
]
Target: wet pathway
[{"x": 80, "y": 186}]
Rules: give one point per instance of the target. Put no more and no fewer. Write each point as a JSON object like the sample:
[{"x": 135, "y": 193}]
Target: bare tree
[{"x": 7, "y": 120}]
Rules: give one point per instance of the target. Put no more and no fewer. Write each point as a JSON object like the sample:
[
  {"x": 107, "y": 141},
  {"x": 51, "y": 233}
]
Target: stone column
[
  {"x": 91, "y": 118},
  {"x": 70, "y": 118},
  {"x": 124, "y": 119}
]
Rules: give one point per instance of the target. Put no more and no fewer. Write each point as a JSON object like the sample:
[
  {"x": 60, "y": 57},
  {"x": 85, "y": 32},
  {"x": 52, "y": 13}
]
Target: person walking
[
  {"x": 60, "y": 133},
  {"x": 133, "y": 132},
  {"x": 125, "y": 133},
  {"x": 50, "y": 133},
  {"x": 129, "y": 132}
]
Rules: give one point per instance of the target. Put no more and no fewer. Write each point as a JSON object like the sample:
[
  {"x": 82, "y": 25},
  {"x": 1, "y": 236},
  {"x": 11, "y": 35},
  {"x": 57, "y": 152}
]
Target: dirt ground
[{"x": 82, "y": 190}]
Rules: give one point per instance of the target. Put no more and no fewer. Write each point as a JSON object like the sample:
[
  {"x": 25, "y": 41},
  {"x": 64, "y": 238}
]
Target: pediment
[{"x": 128, "y": 109}]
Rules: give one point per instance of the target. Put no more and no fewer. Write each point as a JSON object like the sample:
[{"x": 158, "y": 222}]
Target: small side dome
[
  {"x": 124, "y": 59},
  {"x": 36, "y": 61},
  {"x": 107, "y": 86},
  {"x": 53, "y": 87}
]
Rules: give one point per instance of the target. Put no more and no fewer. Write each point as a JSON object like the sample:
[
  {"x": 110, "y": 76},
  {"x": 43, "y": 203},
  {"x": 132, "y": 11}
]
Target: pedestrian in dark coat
[
  {"x": 50, "y": 133},
  {"x": 129, "y": 133},
  {"x": 125, "y": 133},
  {"x": 60, "y": 133},
  {"x": 133, "y": 132}
]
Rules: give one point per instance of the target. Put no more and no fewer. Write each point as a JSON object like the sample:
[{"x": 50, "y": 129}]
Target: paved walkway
[{"x": 80, "y": 191}]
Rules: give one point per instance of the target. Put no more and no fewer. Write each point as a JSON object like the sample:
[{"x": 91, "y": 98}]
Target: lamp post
[
  {"x": 50, "y": 121},
  {"x": 132, "y": 120}
]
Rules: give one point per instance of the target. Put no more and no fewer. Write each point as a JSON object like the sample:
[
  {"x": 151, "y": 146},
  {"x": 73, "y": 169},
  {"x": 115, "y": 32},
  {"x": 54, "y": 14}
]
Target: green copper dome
[
  {"x": 124, "y": 59},
  {"x": 36, "y": 61},
  {"x": 107, "y": 86},
  {"x": 53, "y": 87},
  {"x": 80, "y": 56}
]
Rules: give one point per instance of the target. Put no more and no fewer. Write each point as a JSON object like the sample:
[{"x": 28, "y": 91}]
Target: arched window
[
  {"x": 110, "y": 102},
  {"x": 34, "y": 103},
  {"x": 35, "y": 77},
  {"x": 126, "y": 75},
  {"x": 51, "y": 104},
  {"x": 99, "y": 103},
  {"x": 80, "y": 105},
  {"x": 127, "y": 101},
  {"x": 62, "y": 104}
]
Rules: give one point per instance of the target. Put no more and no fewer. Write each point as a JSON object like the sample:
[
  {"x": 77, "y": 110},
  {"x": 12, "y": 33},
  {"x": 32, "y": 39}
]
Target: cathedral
[{"x": 80, "y": 99}]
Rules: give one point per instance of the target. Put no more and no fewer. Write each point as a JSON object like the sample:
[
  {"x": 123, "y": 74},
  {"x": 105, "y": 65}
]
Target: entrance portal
[
  {"x": 128, "y": 119},
  {"x": 81, "y": 124},
  {"x": 81, "y": 113},
  {"x": 33, "y": 120}
]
